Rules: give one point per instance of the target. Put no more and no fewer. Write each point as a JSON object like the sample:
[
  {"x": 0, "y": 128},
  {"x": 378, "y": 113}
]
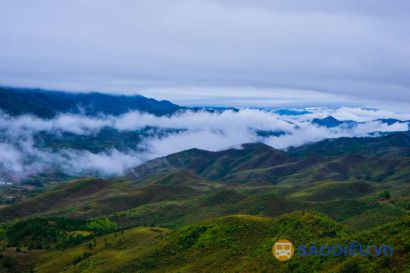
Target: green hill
[
  {"x": 238, "y": 243},
  {"x": 391, "y": 145},
  {"x": 85, "y": 198},
  {"x": 380, "y": 159},
  {"x": 201, "y": 211}
]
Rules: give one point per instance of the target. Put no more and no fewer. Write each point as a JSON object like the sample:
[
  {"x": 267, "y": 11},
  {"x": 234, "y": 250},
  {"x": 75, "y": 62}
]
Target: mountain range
[
  {"x": 47, "y": 104},
  {"x": 207, "y": 211}
]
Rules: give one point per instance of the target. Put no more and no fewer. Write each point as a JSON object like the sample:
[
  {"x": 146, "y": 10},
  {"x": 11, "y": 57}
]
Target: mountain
[
  {"x": 90, "y": 197},
  {"x": 235, "y": 243},
  {"x": 216, "y": 165},
  {"x": 47, "y": 104},
  {"x": 391, "y": 121},
  {"x": 202, "y": 211},
  {"x": 390, "y": 145},
  {"x": 331, "y": 122},
  {"x": 256, "y": 179},
  {"x": 291, "y": 112},
  {"x": 105, "y": 139},
  {"x": 328, "y": 122},
  {"x": 369, "y": 159}
]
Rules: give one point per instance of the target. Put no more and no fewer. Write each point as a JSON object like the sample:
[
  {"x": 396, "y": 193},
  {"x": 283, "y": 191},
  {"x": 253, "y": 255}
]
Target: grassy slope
[
  {"x": 239, "y": 243},
  {"x": 109, "y": 253},
  {"x": 194, "y": 186},
  {"x": 87, "y": 198},
  {"x": 257, "y": 179},
  {"x": 377, "y": 160},
  {"x": 178, "y": 198},
  {"x": 68, "y": 195}
]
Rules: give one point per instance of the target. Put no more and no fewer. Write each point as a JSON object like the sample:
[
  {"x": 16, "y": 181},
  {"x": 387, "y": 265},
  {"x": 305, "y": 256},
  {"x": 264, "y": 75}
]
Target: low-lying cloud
[{"x": 21, "y": 157}]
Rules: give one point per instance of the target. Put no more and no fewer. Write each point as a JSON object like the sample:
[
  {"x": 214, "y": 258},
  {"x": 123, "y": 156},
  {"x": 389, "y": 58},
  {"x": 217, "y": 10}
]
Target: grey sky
[{"x": 239, "y": 52}]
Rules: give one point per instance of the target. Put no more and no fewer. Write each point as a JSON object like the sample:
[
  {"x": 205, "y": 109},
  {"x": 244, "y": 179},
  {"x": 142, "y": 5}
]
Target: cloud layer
[
  {"x": 212, "y": 51},
  {"x": 21, "y": 157}
]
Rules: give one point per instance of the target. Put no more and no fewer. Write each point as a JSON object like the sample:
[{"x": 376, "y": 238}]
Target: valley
[
  {"x": 92, "y": 188},
  {"x": 173, "y": 207}
]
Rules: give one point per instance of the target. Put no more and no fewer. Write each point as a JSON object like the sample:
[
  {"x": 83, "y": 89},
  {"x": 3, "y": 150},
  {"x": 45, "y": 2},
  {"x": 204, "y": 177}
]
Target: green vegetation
[
  {"x": 200, "y": 211},
  {"x": 101, "y": 226},
  {"x": 238, "y": 243},
  {"x": 384, "y": 195},
  {"x": 54, "y": 232}
]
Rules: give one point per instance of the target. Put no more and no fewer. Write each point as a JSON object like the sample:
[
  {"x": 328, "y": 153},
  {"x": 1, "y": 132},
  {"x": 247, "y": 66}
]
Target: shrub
[
  {"x": 350, "y": 267},
  {"x": 384, "y": 195},
  {"x": 81, "y": 258},
  {"x": 101, "y": 226}
]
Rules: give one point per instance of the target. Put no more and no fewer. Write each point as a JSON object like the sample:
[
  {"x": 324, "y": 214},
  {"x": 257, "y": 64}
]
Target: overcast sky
[{"x": 218, "y": 52}]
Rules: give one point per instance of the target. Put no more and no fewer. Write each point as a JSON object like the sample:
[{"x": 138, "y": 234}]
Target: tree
[
  {"x": 102, "y": 225},
  {"x": 384, "y": 195}
]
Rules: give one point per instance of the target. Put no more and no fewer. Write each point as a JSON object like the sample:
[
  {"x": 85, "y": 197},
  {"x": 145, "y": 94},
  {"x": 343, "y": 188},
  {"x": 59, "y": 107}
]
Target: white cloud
[
  {"x": 108, "y": 163},
  {"x": 20, "y": 157},
  {"x": 358, "y": 114}
]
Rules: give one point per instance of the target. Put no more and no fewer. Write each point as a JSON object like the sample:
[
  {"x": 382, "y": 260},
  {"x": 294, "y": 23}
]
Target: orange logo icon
[{"x": 283, "y": 250}]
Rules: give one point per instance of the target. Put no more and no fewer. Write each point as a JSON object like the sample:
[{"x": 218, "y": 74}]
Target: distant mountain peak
[
  {"x": 256, "y": 145},
  {"x": 328, "y": 122},
  {"x": 47, "y": 104},
  {"x": 331, "y": 122}
]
